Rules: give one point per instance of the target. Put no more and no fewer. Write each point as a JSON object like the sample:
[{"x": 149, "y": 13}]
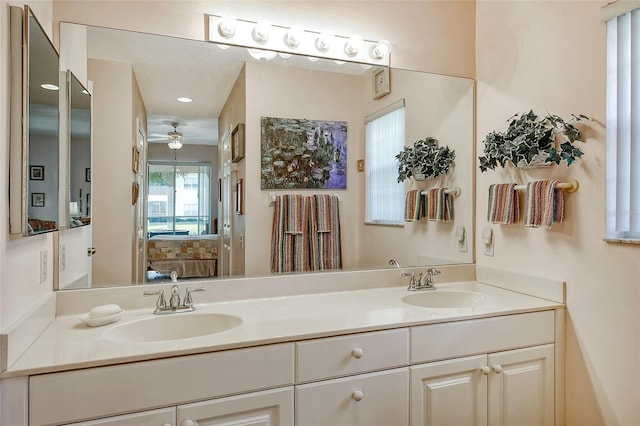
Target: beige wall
[
  {"x": 20, "y": 286},
  {"x": 112, "y": 176},
  {"x": 550, "y": 56}
]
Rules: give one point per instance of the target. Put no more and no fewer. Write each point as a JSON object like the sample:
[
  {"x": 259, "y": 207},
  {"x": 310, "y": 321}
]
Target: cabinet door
[
  {"x": 363, "y": 400},
  {"x": 267, "y": 408},
  {"x": 162, "y": 417},
  {"x": 450, "y": 393},
  {"x": 521, "y": 387}
]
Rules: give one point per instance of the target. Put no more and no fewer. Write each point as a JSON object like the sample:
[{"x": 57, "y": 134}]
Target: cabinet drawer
[
  {"x": 164, "y": 416},
  {"x": 98, "y": 392},
  {"x": 372, "y": 399},
  {"x": 345, "y": 355},
  {"x": 449, "y": 340}
]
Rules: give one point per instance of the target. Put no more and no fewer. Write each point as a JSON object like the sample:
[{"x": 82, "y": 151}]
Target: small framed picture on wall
[
  {"x": 87, "y": 174},
  {"x": 36, "y": 172},
  {"x": 37, "y": 199},
  {"x": 381, "y": 85},
  {"x": 239, "y": 197},
  {"x": 237, "y": 143}
]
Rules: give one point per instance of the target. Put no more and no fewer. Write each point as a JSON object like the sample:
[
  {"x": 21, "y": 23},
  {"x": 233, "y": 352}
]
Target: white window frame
[
  {"x": 384, "y": 138},
  {"x": 623, "y": 122}
]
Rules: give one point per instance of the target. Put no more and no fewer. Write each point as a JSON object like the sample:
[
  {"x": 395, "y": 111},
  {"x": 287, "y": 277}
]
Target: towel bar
[
  {"x": 453, "y": 191},
  {"x": 271, "y": 199},
  {"x": 571, "y": 186}
]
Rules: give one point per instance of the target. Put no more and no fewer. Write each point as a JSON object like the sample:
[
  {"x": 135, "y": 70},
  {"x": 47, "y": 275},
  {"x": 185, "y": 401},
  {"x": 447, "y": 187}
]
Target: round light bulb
[
  {"x": 323, "y": 42},
  {"x": 261, "y": 31},
  {"x": 381, "y": 49},
  {"x": 227, "y": 27},
  {"x": 262, "y": 55},
  {"x": 293, "y": 37},
  {"x": 352, "y": 46}
]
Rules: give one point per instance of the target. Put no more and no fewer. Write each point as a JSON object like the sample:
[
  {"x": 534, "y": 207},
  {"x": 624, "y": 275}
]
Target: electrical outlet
[
  {"x": 44, "y": 265},
  {"x": 63, "y": 257}
]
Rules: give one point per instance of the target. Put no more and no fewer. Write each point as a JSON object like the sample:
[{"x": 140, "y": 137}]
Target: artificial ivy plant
[
  {"x": 424, "y": 160},
  {"x": 533, "y": 141}
]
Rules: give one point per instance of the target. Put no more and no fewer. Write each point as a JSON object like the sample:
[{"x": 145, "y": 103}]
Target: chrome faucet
[
  {"x": 424, "y": 281},
  {"x": 174, "y": 301}
]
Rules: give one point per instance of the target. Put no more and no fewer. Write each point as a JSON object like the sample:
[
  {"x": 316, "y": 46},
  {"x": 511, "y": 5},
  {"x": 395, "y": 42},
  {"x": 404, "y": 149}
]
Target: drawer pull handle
[
  {"x": 497, "y": 368},
  {"x": 485, "y": 370},
  {"x": 357, "y": 353},
  {"x": 357, "y": 395}
]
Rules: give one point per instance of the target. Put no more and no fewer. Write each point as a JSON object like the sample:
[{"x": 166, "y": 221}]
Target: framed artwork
[
  {"x": 237, "y": 143},
  {"x": 219, "y": 190},
  {"x": 135, "y": 191},
  {"x": 381, "y": 85},
  {"x": 239, "y": 204},
  {"x": 299, "y": 153},
  {"x": 36, "y": 172},
  {"x": 88, "y": 204},
  {"x": 135, "y": 159},
  {"x": 87, "y": 175},
  {"x": 37, "y": 199}
]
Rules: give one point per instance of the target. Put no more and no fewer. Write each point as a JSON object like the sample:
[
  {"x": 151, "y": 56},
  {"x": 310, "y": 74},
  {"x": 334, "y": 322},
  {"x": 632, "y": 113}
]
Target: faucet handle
[
  {"x": 433, "y": 271},
  {"x": 161, "y": 302},
  {"x": 188, "y": 301}
]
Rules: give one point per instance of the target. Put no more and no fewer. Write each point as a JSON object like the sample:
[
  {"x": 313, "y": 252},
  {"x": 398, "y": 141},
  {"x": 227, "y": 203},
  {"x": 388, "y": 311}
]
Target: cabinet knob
[
  {"x": 497, "y": 368},
  {"x": 485, "y": 370},
  {"x": 357, "y": 353},
  {"x": 357, "y": 395},
  {"x": 189, "y": 423}
]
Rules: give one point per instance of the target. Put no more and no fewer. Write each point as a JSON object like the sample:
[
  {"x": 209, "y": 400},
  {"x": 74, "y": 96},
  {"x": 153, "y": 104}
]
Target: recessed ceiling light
[
  {"x": 49, "y": 86},
  {"x": 185, "y": 100}
]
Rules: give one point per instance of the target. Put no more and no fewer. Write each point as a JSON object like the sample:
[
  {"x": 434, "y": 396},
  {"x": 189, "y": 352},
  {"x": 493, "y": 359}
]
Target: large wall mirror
[
  {"x": 34, "y": 141},
  {"x": 212, "y": 143}
]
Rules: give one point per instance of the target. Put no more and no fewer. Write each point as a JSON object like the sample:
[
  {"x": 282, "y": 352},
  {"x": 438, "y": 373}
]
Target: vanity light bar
[{"x": 274, "y": 38}]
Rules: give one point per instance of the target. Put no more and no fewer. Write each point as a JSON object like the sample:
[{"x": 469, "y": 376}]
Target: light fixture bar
[{"x": 259, "y": 35}]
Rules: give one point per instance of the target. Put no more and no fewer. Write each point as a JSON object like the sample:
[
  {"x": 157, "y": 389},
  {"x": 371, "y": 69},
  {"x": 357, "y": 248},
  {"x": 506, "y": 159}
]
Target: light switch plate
[
  {"x": 461, "y": 237},
  {"x": 361, "y": 165},
  {"x": 487, "y": 241}
]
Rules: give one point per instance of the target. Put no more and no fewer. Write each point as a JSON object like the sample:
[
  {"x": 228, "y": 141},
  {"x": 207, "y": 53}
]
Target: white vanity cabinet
[
  {"x": 500, "y": 386},
  {"x": 77, "y": 395},
  {"x": 380, "y": 397},
  {"x": 487, "y": 371}
]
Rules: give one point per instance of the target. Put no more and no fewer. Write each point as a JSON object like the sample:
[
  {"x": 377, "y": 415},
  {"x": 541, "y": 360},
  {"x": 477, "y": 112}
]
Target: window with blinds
[
  {"x": 384, "y": 138},
  {"x": 623, "y": 123}
]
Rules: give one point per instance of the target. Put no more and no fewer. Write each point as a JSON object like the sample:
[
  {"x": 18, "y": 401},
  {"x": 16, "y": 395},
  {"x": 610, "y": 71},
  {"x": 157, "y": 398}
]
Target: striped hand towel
[
  {"x": 414, "y": 206},
  {"x": 290, "y": 245},
  {"x": 544, "y": 204},
  {"x": 504, "y": 204},
  {"x": 439, "y": 206},
  {"x": 326, "y": 250}
]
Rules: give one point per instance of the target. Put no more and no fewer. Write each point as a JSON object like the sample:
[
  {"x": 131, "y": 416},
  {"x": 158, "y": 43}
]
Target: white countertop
[{"x": 69, "y": 344}]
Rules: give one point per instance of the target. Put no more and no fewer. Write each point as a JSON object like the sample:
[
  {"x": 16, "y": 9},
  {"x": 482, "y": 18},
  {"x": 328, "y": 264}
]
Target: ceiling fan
[{"x": 174, "y": 137}]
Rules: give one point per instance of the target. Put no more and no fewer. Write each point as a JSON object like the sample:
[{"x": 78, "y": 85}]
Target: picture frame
[
  {"x": 135, "y": 192},
  {"x": 37, "y": 199},
  {"x": 239, "y": 197},
  {"x": 36, "y": 172},
  {"x": 237, "y": 143},
  {"x": 135, "y": 159},
  {"x": 381, "y": 83},
  {"x": 88, "y": 205},
  {"x": 219, "y": 190},
  {"x": 87, "y": 174}
]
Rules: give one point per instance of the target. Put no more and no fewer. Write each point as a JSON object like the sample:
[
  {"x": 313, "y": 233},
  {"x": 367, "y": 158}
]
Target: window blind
[
  {"x": 384, "y": 135},
  {"x": 623, "y": 127}
]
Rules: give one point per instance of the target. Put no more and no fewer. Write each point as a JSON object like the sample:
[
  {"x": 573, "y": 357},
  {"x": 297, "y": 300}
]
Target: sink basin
[
  {"x": 173, "y": 327},
  {"x": 448, "y": 299}
]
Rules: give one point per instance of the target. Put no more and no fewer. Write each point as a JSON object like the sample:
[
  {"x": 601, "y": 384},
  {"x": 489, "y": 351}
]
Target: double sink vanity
[{"x": 369, "y": 354}]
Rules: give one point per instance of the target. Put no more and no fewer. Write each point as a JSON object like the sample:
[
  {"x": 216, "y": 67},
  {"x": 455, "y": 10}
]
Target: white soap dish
[{"x": 97, "y": 322}]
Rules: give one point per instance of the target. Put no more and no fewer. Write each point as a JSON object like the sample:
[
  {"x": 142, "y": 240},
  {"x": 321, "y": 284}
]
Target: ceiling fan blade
[{"x": 157, "y": 139}]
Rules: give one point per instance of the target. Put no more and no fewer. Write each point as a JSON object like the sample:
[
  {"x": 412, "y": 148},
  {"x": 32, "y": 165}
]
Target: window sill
[
  {"x": 395, "y": 224},
  {"x": 622, "y": 240}
]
